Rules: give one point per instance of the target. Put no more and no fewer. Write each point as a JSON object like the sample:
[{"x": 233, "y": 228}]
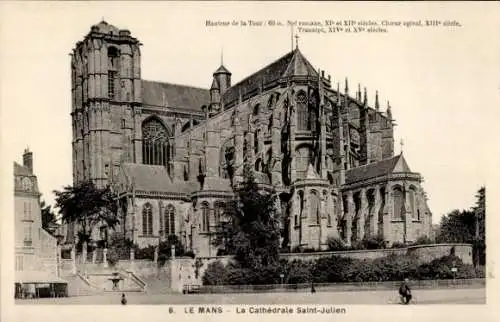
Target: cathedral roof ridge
[
  {"x": 375, "y": 169},
  {"x": 171, "y": 95},
  {"x": 172, "y": 84},
  {"x": 270, "y": 73}
]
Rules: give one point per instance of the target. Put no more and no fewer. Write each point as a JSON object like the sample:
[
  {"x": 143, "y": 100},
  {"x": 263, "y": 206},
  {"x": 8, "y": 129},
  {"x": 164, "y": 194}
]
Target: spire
[
  {"x": 358, "y": 96},
  {"x": 338, "y": 94},
  {"x": 401, "y": 144},
  {"x": 296, "y": 41},
  {"x": 377, "y": 105},
  {"x": 346, "y": 87},
  {"x": 320, "y": 93},
  {"x": 389, "y": 112},
  {"x": 365, "y": 99}
]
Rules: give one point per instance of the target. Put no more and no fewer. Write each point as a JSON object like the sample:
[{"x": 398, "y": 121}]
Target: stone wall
[
  {"x": 355, "y": 254},
  {"x": 423, "y": 253},
  {"x": 426, "y": 253}
]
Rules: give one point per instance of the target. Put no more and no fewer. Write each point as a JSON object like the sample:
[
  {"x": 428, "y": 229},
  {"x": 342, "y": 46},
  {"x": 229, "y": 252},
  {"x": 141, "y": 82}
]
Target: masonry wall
[{"x": 423, "y": 254}]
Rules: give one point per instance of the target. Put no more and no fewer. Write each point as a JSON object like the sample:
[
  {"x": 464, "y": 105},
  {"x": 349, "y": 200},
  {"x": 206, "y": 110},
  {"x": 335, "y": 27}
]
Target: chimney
[{"x": 28, "y": 159}]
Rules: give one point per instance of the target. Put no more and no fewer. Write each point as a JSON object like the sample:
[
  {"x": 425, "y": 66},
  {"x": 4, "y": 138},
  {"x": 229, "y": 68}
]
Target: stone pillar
[
  {"x": 375, "y": 211},
  {"x": 105, "y": 257},
  {"x": 323, "y": 221},
  {"x": 388, "y": 208},
  {"x": 349, "y": 216},
  {"x": 363, "y": 213},
  {"x": 238, "y": 145},
  {"x": 73, "y": 259},
  {"x": 155, "y": 258},
  {"x": 212, "y": 150},
  {"x": 293, "y": 122},
  {"x": 276, "y": 178},
  {"x": 303, "y": 222},
  {"x": 132, "y": 254},
  {"x": 172, "y": 250},
  {"x": 84, "y": 252},
  {"x": 334, "y": 209},
  {"x": 408, "y": 216},
  {"x": 94, "y": 256}
]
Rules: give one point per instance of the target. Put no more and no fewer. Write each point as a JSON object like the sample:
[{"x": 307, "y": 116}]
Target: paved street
[{"x": 437, "y": 296}]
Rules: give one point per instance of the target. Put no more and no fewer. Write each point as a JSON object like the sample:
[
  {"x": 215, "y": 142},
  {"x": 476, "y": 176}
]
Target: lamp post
[{"x": 281, "y": 277}]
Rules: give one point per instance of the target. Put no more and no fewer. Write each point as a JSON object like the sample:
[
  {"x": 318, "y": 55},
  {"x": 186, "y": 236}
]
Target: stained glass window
[
  {"x": 147, "y": 220},
  {"x": 154, "y": 143},
  {"x": 205, "y": 220},
  {"x": 169, "y": 221},
  {"x": 303, "y": 119}
]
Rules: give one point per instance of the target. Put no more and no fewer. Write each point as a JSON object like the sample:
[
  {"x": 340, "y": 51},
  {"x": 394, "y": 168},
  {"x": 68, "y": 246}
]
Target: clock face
[{"x": 26, "y": 184}]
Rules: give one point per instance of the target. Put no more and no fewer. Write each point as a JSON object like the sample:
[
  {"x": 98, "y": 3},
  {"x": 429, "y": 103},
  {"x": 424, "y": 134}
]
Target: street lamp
[{"x": 281, "y": 277}]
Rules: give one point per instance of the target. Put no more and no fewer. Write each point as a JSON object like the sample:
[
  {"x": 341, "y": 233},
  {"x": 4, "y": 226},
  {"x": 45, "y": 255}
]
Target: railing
[
  {"x": 342, "y": 287},
  {"x": 136, "y": 279}
]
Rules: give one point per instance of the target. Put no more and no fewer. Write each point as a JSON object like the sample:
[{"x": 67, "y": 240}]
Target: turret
[
  {"x": 28, "y": 159},
  {"x": 223, "y": 77},
  {"x": 215, "y": 97}
]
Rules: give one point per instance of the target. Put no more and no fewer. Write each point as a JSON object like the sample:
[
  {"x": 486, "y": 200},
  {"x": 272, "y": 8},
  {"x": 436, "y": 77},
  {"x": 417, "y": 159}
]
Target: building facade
[
  {"x": 175, "y": 154},
  {"x": 35, "y": 249}
]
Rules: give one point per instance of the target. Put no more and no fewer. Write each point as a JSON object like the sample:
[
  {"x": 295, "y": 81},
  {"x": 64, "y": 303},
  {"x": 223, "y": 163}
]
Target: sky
[{"x": 443, "y": 83}]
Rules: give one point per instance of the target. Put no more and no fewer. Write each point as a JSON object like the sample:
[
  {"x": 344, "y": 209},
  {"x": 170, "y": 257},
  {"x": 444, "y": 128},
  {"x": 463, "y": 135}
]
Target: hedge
[{"x": 336, "y": 269}]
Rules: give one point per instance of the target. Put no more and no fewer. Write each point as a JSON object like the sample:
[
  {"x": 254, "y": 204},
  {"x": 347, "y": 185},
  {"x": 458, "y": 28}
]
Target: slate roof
[
  {"x": 377, "y": 169},
  {"x": 222, "y": 70},
  {"x": 155, "y": 178},
  {"x": 174, "y": 95},
  {"x": 293, "y": 63}
]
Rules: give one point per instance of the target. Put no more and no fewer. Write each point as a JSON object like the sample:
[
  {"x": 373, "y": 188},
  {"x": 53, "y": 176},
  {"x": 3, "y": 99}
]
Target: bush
[
  {"x": 373, "y": 242},
  {"x": 332, "y": 269},
  {"x": 423, "y": 240},
  {"x": 145, "y": 253},
  {"x": 398, "y": 245},
  {"x": 335, "y": 244},
  {"x": 215, "y": 274},
  {"x": 296, "y": 272},
  {"x": 337, "y": 269},
  {"x": 112, "y": 257}
]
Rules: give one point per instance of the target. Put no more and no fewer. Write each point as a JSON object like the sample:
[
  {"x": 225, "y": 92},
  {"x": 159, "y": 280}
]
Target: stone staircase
[{"x": 127, "y": 281}]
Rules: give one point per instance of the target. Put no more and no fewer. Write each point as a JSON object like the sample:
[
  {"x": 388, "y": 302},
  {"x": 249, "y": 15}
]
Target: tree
[
  {"x": 255, "y": 234},
  {"x": 48, "y": 217},
  {"x": 480, "y": 236},
  {"x": 87, "y": 206},
  {"x": 457, "y": 227}
]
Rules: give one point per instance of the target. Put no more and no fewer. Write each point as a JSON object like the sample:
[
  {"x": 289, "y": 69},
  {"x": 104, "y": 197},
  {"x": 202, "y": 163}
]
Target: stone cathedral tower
[{"x": 106, "y": 91}]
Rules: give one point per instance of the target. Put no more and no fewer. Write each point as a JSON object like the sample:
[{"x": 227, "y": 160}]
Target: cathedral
[{"x": 175, "y": 154}]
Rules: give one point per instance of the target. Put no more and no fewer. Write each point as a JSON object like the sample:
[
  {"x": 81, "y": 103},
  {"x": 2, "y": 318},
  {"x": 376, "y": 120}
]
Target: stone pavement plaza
[{"x": 379, "y": 297}]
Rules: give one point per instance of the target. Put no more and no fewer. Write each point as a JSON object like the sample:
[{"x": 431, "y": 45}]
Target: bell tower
[{"x": 106, "y": 96}]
